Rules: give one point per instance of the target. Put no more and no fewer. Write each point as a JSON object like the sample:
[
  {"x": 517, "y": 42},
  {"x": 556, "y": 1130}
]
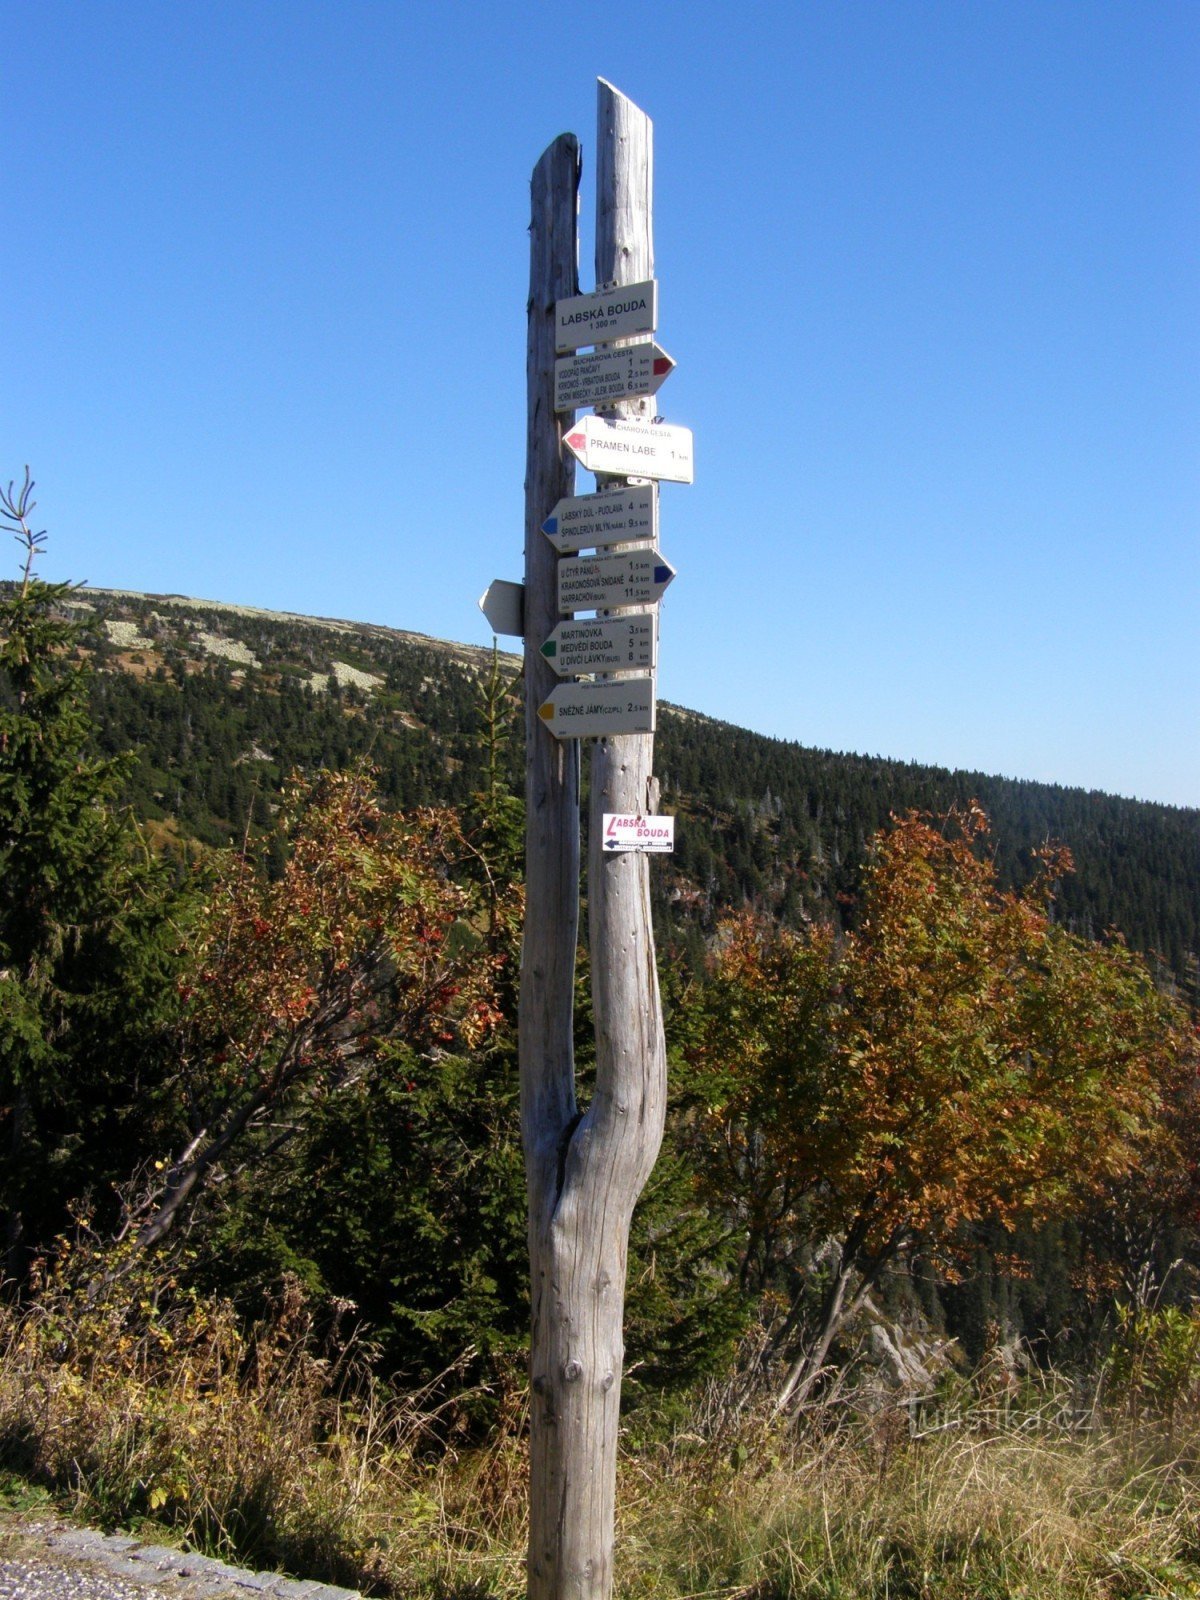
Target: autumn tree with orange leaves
[
  {"x": 295, "y": 985},
  {"x": 956, "y": 1057}
]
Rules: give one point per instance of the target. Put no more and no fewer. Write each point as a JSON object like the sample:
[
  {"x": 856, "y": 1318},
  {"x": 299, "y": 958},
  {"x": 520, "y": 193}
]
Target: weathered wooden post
[
  {"x": 585, "y": 1170},
  {"x": 546, "y": 1050}
]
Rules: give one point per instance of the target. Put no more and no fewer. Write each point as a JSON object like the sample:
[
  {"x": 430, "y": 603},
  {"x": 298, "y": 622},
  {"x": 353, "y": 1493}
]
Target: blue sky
[{"x": 930, "y": 272}]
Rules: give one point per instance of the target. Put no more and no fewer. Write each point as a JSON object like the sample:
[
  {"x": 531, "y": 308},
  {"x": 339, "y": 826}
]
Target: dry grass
[
  {"x": 148, "y": 1406},
  {"x": 856, "y": 1515}
]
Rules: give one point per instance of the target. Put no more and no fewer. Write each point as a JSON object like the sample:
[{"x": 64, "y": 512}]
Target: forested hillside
[{"x": 220, "y": 703}]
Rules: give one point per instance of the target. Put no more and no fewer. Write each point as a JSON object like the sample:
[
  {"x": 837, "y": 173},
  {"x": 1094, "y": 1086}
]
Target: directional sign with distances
[
  {"x": 617, "y": 516},
  {"x": 594, "y": 710},
  {"x": 645, "y": 834},
  {"x": 618, "y": 644},
  {"x": 608, "y": 314},
  {"x": 624, "y": 578},
  {"x": 632, "y": 449},
  {"x": 603, "y": 376}
]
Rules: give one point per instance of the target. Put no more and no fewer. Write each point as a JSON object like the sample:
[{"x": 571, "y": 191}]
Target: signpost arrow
[
  {"x": 608, "y": 314},
  {"x": 594, "y": 710},
  {"x": 616, "y": 516},
  {"x": 602, "y": 377},
  {"x": 632, "y": 449},
  {"x": 617, "y": 644},
  {"x": 503, "y": 604},
  {"x": 650, "y": 835},
  {"x": 625, "y": 578}
]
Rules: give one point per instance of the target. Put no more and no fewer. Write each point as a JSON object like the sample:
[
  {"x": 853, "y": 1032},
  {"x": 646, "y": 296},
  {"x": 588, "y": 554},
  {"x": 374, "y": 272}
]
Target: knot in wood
[
  {"x": 572, "y": 1372},
  {"x": 540, "y": 1383},
  {"x": 607, "y": 1381}
]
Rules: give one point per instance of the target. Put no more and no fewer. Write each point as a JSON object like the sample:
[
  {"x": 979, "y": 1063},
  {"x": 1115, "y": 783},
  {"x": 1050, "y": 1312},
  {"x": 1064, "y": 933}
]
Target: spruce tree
[{"x": 74, "y": 904}]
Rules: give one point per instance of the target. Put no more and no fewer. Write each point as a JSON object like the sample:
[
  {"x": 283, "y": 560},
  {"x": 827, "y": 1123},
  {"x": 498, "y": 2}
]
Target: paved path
[{"x": 45, "y": 1559}]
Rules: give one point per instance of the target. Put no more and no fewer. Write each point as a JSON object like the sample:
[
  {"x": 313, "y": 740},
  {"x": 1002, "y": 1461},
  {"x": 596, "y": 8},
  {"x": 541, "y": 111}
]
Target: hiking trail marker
[
  {"x": 595, "y": 710},
  {"x": 611, "y": 644},
  {"x": 632, "y": 449},
  {"x": 634, "y": 577},
  {"x": 615, "y": 516},
  {"x": 601, "y": 377},
  {"x": 651, "y": 835}
]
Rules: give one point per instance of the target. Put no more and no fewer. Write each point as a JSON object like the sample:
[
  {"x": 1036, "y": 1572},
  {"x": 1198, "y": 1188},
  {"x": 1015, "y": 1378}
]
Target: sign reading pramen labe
[
  {"x": 632, "y": 449},
  {"x": 609, "y": 314}
]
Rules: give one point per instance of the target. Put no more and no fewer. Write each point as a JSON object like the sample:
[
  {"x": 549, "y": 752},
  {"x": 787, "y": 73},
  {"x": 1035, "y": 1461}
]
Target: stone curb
[{"x": 193, "y": 1577}]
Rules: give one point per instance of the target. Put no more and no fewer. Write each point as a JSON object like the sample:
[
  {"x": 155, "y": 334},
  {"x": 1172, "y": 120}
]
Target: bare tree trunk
[
  {"x": 836, "y": 1310},
  {"x": 584, "y": 1172}
]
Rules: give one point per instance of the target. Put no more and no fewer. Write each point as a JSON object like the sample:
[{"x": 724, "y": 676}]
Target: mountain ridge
[{"x": 481, "y": 655}]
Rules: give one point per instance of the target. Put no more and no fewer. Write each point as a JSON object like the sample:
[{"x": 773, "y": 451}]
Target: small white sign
[
  {"x": 608, "y": 314},
  {"x": 595, "y": 710},
  {"x": 602, "y": 377},
  {"x": 632, "y": 449},
  {"x": 650, "y": 835},
  {"x": 615, "y": 516}
]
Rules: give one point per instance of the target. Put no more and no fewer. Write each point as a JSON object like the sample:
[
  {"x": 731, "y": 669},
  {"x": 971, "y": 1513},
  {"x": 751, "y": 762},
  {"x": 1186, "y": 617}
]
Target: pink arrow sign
[{"x": 632, "y": 449}]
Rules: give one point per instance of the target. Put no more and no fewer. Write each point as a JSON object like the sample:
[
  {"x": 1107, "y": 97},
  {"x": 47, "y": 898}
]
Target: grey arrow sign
[{"x": 503, "y": 604}]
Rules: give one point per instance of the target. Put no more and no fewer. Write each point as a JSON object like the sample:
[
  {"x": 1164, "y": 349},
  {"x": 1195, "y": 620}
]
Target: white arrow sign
[
  {"x": 632, "y": 449},
  {"x": 602, "y": 377},
  {"x": 608, "y": 314},
  {"x": 503, "y": 604},
  {"x": 625, "y": 578},
  {"x": 594, "y": 710},
  {"x": 645, "y": 834},
  {"x": 617, "y": 516},
  {"x": 618, "y": 644}
]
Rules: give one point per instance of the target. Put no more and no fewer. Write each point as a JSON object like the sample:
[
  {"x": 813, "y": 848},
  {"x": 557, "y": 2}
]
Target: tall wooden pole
[
  {"x": 630, "y": 1049},
  {"x": 586, "y": 1171},
  {"x": 546, "y": 1048}
]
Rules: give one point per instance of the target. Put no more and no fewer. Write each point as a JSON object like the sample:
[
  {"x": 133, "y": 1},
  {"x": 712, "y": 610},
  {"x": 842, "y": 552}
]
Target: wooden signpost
[{"x": 585, "y": 1166}]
